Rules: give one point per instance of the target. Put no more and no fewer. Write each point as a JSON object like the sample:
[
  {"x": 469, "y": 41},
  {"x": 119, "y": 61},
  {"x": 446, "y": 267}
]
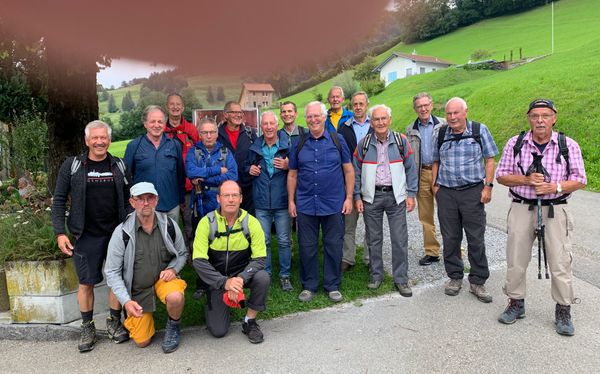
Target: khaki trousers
[
  {"x": 425, "y": 206},
  {"x": 521, "y": 223}
]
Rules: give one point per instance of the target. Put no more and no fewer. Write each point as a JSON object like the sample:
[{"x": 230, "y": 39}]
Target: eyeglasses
[
  {"x": 235, "y": 113},
  {"x": 230, "y": 195},
  {"x": 148, "y": 200},
  {"x": 203, "y": 133},
  {"x": 545, "y": 116},
  {"x": 422, "y": 106}
]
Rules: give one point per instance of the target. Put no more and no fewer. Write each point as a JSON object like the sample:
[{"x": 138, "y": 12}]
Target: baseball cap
[
  {"x": 240, "y": 303},
  {"x": 542, "y": 103},
  {"x": 142, "y": 188}
]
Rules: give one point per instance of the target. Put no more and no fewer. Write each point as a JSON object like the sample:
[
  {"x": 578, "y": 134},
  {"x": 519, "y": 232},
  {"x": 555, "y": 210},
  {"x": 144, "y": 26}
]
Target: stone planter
[
  {"x": 4, "y": 303},
  {"x": 46, "y": 292}
]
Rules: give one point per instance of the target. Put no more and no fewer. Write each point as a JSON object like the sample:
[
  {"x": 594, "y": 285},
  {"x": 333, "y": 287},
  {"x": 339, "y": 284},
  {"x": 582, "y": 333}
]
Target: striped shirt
[{"x": 557, "y": 171}]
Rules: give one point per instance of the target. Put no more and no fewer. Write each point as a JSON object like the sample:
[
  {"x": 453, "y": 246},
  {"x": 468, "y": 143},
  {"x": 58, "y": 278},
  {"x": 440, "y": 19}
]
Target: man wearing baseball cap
[
  {"x": 564, "y": 173},
  {"x": 145, "y": 255}
]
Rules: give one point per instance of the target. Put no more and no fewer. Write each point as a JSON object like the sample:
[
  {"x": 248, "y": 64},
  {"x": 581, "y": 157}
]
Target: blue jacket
[
  {"x": 346, "y": 115},
  {"x": 245, "y": 139},
  {"x": 162, "y": 166},
  {"x": 208, "y": 167},
  {"x": 269, "y": 192}
]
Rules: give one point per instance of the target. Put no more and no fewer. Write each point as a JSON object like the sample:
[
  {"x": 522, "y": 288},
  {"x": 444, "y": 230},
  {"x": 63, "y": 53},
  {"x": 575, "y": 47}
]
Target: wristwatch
[
  {"x": 558, "y": 188},
  {"x": 490, "y": 184}
]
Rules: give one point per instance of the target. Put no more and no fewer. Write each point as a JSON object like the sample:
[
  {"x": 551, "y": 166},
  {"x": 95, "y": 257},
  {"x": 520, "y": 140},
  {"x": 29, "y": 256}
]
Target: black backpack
[
  {"x": 303, "y": 136},
  {"x": 475, "y": 134},
  {"x": 562, "y": 146},
  {"x": 367, "y": 139}
]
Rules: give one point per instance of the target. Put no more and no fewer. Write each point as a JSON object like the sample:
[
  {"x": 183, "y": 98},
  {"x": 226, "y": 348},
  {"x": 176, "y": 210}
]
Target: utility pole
[{"x": 552, "y": 27}]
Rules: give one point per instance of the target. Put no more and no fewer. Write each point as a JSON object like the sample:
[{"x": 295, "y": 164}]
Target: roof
[
  {"x": 257, "y": 87},
  {"x": 414, "y": 58}
]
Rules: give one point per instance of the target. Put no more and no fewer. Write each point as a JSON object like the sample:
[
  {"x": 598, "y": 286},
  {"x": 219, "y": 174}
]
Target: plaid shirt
[
  {"x": 558, "y": 171},
  {"x": 461, "y": 162}
]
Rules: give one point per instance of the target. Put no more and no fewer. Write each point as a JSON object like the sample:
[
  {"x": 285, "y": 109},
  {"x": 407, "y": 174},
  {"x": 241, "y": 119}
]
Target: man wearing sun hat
[
  {"x": 564, "y": 174},
  {"x": 145, "y": 255}
]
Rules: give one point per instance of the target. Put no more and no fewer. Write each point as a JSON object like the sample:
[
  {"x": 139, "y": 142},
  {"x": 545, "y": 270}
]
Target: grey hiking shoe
[
  {"x": 88, "y": 337},
  {"x": 116, "y": 332},
  {"x": 252, "y": 329},
  {"x": 373, "y": 284},
  {"x": 481, "y": 293},
  {"x": 514, "y": 310},
  {"x": 172, "y": 337},
  {"x": 564, "y": 323},
  {"x": 286, "y": 285},
  {"x": 452, "y": 287},
  {"x": 306, "y": 296},
  {"x": 404, "y": 289},
  {"x": 335, "y": 296}
]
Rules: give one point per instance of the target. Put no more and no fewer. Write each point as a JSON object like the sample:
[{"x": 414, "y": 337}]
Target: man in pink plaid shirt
[{"x": 553, "y": 188}]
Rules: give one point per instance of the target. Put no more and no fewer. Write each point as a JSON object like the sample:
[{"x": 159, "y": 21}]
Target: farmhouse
[
  {"x": 401, "y": 65},
  {"x": 256, "y": 95}
]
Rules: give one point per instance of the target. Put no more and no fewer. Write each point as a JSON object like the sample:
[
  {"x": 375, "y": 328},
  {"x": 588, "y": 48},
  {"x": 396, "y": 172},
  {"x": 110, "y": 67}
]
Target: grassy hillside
[
  {"x": 499, "y": 99},
  {"x": 118, "y": 95}
]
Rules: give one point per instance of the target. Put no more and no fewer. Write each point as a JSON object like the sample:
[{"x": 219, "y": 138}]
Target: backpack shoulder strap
[
  {"x": 212, "y": 226},
  {"x": 518, "y": 144},
  {"x": 564, "y": 151},
  {"x": 75, "y": 165},
  {"x": 336, "y": 141},
  {"x": 171, "y": 229},
  {"x": 197, "y": 154},
  {"x": 224, "y": 151},
  {"x": 399, "y": 143},
  {"x": 246, "y": 228},
  {"x": 476, "y": 133},
  {"x": 365, "y": 144},
  {"x": 125, "y": 236},
  {"x": 301, "y": 142},
  {"x": 441, "y": 135},
  {"x": 122, "y": 167}
]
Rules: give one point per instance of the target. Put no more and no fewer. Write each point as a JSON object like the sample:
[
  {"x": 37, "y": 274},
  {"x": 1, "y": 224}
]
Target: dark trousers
[
  {"x": 458, "y": 210},
  {"x": 333, "y": 239},
  {"x": 247, "y": 201},
  {"x": 217, "y": 313}
]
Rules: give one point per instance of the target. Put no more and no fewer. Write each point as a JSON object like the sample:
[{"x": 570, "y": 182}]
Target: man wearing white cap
[{"x": 145, "y": 255}]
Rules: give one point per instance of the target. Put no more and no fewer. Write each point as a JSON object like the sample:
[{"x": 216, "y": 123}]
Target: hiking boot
[
  {"x": 481, "y": 293},
  {"x": 286, "y": 285},
  {"x": 564, "y": 323},
  {"x": 428, "y": 260},
  {"x": 252, "y": 329},
  {"x": 452, "y": 287},
  {"x": 172, "y": 337},
  {"x": 373, "y": 284},
  {"x": 336, "y": 296},
  {"x": 116, "y": 332},
  {"x": 404, "y": 289},
  {"x": 514, "y": 310},
  {"x": 346, "y": 266},
  {"x": 88, "y": 336},
  {"x": 198, "y": 293},
  {"x": 306, "y": 296}
]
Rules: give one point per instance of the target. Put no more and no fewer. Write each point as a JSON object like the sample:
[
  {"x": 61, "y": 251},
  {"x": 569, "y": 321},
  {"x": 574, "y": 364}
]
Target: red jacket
[{"x": 187, "y": 134}]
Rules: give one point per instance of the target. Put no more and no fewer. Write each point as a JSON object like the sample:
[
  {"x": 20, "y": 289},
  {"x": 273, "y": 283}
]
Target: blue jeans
[{"x": 282, "y": 227}]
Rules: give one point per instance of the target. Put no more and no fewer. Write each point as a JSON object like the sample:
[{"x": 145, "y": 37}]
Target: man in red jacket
[{"x": 178, "y": 127}]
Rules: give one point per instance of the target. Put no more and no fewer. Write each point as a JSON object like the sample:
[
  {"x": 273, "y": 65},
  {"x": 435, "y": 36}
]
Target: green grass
[
  {"x": 118, "y": 95},
  {"x": 118, "y": 148},
  {"x": 280, "y": 303}
]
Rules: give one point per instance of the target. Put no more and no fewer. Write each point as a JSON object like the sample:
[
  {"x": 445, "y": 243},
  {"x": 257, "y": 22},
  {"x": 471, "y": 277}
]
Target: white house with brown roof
[
  {"x": 401, "y": 65},
  {"x": 256, "y": 95}
]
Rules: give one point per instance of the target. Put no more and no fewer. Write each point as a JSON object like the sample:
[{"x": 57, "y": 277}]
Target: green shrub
[{"x": 373, "y": 86}]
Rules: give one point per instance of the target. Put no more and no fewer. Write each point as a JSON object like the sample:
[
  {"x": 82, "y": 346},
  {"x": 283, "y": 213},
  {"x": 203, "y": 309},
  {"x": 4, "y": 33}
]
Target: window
[
  {"x": 392, "y": 76},
  {"x": 255, "y": 104},
  {"x": 409, "y": 72},
  {"x": 422, "y": 70}
]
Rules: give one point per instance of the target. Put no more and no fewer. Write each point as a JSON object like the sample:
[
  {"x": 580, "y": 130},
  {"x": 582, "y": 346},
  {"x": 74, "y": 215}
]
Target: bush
[
  {"x": 317, "y": 95},
  {"x": 30, "y": 142},
  {"x": 480, "y": 54},
  {"x": 347, "y": 82},
  {"x": 373, "y": 86}
]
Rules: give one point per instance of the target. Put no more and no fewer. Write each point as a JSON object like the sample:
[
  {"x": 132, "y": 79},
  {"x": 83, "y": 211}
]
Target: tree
[
  {"x": 103, "y": 96},
  {"x": 112, "y": 105},
  {"x": 190, "y": 101},
  {"x": 210, "y": 98},
  {"x": 127, "y": 104},
  {"x": 364, "y": 70},
  {"x": 347, "y": 82},
  {"x": 220, "y": 93},
  {"x": 166, "y": 81}
]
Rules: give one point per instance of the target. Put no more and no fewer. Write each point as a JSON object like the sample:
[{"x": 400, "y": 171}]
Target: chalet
[
  {"x": 401, "y": 65},
  {"x": 256, "y": 95}
]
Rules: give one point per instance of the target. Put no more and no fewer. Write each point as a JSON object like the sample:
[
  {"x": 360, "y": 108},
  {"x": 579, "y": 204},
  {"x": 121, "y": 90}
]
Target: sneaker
[
  {"x": 198, "y": 293},
  {"x": 252, "y": 329},
  {"x": 286, "y": 285},
  {"x": 306, "y": 296},
  {"x": 404, "y": 289},
  {"x": 88, "y": 336},
  {"x": 514, "y": 310},
  {"x": 172, "y": 337},
  {"x": 374, "y": 284},
  {"x": 564, "y": 323},
  {"x": 336, "y": 296},
  {"x": 116, "y": 332},
  {"x": 481, "y": 293},
  {"x": 428, "y": 260},
  {"x": 346, "y": 266},
  {"x": 452, "y": 287}
]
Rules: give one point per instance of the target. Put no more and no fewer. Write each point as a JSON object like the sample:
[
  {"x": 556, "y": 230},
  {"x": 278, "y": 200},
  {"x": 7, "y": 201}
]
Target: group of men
[{"x": 231, "y": 187}]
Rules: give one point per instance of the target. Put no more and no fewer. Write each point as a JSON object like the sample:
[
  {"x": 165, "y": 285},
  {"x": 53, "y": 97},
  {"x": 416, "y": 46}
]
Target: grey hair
[
  {"x": 97, "y": 124},
  {"x": 152, "y": 108},
  {"x": 460, "y": 100},
  {"x": 336, "y": 88},
  {"x": 313, "y": 103},
  {"x": 357, "y": 93},
  {"x": 205, "y": 120},
  {"x": 268, "y": 112},
  {"x": 388, "y": 110},
  {"x": 421, "y": 95}
]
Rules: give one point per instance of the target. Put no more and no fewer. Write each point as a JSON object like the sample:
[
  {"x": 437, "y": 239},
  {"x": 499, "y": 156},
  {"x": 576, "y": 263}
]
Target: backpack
[
  {"x": 170, "y": 231},
  {"x": 214, "y": 233},
  {"x": 76, "y": 164},
  {"x": 301, "y": 133},
  {"x": 367, "y": 139},
  {"x": 475, "y": 134},
  {"x": 224, "y": 151},
  {"x": 562, "y": 146},
  {"x": 303, "y": 136}
]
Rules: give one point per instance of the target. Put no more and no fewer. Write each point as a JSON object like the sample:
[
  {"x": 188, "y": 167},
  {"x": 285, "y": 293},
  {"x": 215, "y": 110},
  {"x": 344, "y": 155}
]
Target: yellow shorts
[{"x": 141, "y": 329}]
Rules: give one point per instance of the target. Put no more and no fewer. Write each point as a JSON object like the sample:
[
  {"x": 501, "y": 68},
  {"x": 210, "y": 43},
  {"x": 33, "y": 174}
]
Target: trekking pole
[{"x": 537, "y": 167}]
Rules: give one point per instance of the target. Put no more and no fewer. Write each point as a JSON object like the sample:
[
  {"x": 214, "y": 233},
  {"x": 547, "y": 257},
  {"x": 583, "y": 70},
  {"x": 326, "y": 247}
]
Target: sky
[{"x": 127, "y": 69}]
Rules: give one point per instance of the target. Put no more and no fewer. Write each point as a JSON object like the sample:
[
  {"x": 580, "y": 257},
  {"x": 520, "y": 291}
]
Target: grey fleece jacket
[{"x": 118, "y": 268}]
